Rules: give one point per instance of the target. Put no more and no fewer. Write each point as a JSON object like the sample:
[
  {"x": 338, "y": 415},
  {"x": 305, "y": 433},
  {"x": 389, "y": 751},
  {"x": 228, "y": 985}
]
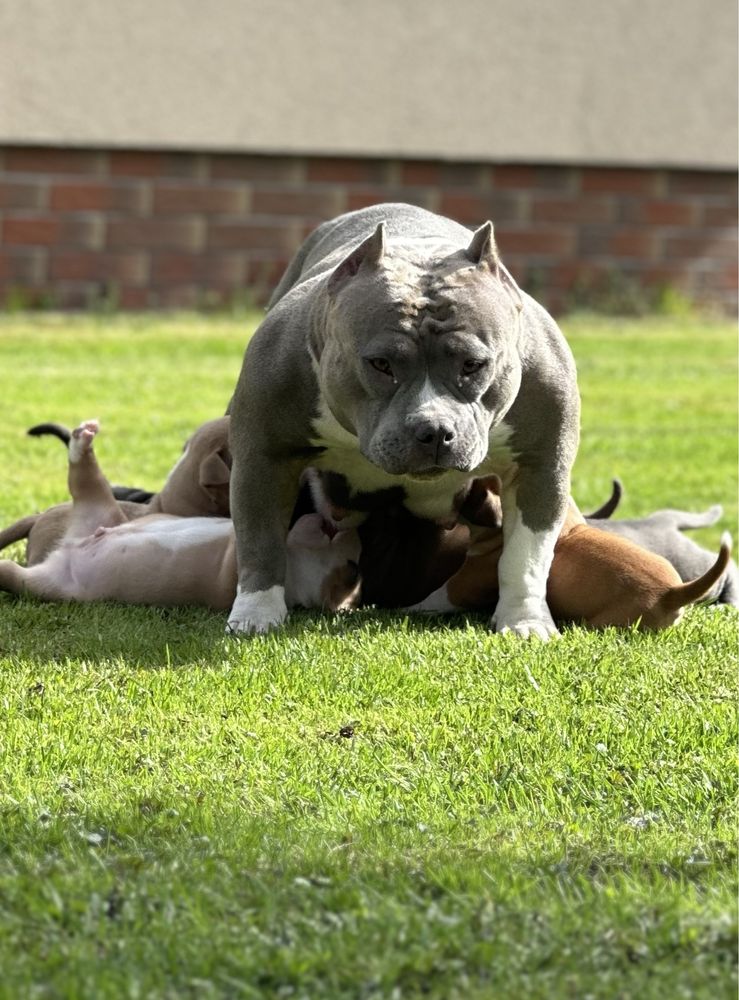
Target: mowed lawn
[{"x": 364, "y": 806}]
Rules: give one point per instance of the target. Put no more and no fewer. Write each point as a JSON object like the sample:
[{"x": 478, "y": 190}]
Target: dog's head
[
  {"x": 322, "y": 565},
  {"x": 199, "y": 483},
  {"x": 421, "y": 355}
]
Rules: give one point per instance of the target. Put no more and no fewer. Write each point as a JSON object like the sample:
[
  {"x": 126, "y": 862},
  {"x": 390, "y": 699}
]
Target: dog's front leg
[
  {"x": 534, "y": 509},
  {"x": 263, "y": 495}
]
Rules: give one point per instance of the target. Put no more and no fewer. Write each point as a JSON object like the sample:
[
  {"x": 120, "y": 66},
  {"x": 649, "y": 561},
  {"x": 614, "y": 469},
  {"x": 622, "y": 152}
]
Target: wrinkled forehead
[{"x": 435, "y": 292}]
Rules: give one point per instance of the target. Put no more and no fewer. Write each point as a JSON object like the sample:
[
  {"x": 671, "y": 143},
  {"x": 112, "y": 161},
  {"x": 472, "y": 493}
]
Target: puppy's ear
[
  {"x": 481, "y": 506},
  {"x": 214, "y": 470},
  {"x": 369, "y": 254},
  {"x": 483, "y": 252},
  {"x": 342, "y": 588}
]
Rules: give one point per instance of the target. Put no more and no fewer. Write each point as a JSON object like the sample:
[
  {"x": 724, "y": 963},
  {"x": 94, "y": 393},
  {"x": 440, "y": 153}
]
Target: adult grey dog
[{"x": 398, "y": 351}]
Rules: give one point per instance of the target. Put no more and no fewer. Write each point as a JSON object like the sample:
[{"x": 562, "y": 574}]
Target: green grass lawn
[{"x": 363, "y": 806}]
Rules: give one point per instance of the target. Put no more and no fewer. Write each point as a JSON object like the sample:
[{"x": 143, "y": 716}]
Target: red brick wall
[{"x": 159, "y": 230}]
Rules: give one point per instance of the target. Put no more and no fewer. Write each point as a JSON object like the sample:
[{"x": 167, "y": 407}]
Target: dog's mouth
[{"x": 424, "y": 475}]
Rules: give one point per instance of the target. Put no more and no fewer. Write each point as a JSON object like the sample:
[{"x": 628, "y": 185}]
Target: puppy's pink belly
[{"x": 142, "y": 571}]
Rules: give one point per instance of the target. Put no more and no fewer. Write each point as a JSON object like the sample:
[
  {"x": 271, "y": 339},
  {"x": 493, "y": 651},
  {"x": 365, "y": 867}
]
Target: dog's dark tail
[
  {"x": 15, "y": 532},
  {"x": 604, "y": 512},
  {"x": 58, "y": 430},
  {"x": 687, "y": 593}
]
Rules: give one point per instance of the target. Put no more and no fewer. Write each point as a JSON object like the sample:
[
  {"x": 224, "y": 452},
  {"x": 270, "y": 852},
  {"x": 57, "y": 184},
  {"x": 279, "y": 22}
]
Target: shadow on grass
[{"x": 156, "y": 638}]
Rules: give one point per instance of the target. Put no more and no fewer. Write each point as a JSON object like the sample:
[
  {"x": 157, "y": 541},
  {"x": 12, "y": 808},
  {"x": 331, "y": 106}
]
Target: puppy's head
[
  {"x": 322, "y": 570},
  {"x": 199, "y": 483}
]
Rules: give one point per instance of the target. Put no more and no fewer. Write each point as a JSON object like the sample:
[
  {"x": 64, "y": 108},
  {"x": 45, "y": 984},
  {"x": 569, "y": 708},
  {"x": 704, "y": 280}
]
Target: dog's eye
[
  {"x": 381, "y": 365},
  {"x": 471, "y": 366}
]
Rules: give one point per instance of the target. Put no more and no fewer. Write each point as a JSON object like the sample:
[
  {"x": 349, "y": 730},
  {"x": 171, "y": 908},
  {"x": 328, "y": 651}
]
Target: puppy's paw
[
  {"x": 529, "y": 619},
  {"x": 258, "y": 612},
  {"x": 81, "y": 440}
]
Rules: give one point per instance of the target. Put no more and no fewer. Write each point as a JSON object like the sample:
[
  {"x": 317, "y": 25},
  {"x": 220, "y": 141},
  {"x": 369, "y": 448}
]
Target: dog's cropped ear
[
  {"x": 367, "y": 254},
  {"x": 483, "y": 252},
  {"x": 214, "y": 470}
]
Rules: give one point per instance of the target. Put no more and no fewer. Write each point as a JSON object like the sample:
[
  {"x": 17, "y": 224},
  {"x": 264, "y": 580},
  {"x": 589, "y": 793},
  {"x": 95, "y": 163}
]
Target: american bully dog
[
  {"x": 595, "y": 579},
  {"x": 662, "y": 533},
  {"x": 198, "y": 485},
  {"x": 398, "y": 351},
  {"x": 162, "y": 559}
]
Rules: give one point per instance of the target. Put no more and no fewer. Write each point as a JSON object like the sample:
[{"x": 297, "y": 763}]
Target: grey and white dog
[{"x": 398, "y": 351}]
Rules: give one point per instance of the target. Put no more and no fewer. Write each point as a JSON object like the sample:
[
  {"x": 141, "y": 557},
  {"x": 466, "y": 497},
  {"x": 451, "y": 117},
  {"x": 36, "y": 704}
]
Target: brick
[
  {"x": 619, "y": 181},
  {"x": 557, "y": 208},
  {"x": 136, "y": 163},
  {"x": 184, "y": 234},
  {"x": 721, "y": 214},
  {"x": 467, "y": 208},
  {"x": 515, "y": 176},
  {"x": 704, "y": 182},
  {"x": 631, "y": 243},
  {"x": 82, "y": 231},
  {"x": 357, "y": 198},
  {"x": 31, "y": 231},
  {"x": 340, "y": 170},
  {"x": 253, "y": 236},
  {"x": 316, "y": 204},
  {"x": 704, "y": 246},
  {"x": 199, "y": 198},
  {"x": 536, "y": 242},
  {"x": 420, "y": 173},
  {"x": 81, "y": 265},
  {"x": 103, "y": 195},
  {"x": 23, "y": 265},
  {"x": 225, "y": 269},
  {"x": 53, "y": 161},
  {"x": 274, "y": 169},
  {"x": 23, "y": 194},
  {"x": 135, "y": 298},
  {"x": 464, "y": 175}
]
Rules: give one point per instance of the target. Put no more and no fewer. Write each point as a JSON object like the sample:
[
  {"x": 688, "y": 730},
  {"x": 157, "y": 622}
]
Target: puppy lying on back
[
  {"x": 162, "y": 559},
  {"x": 595, "y": 579},
  {"x": 198, "y": 485}
]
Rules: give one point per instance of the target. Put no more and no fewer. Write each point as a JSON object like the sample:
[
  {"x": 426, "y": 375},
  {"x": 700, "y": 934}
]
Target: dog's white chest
[{"x": 432, "y": 498}]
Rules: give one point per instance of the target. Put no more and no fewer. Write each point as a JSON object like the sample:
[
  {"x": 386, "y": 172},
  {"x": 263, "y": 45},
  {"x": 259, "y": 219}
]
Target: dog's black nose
[{"x": 434, "y": 438}]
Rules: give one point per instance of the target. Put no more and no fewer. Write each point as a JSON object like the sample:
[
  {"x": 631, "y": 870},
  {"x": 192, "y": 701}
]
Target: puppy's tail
[
  {"x": 58, "y": 430},
  {"x": 15, "y": 532},
  {"x": 687, "y": 593},
  {"x": 686, "y": 521},
  {"x": 604, "y": 512}
]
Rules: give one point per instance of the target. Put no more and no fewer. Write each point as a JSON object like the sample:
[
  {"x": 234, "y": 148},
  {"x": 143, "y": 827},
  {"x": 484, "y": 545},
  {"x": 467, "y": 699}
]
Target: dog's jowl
[{"x": 398, "y": 351}]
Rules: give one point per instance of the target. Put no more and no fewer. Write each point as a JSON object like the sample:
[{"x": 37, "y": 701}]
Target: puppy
[
  {"x": 197, "y": 486},
  {"x": 163, "y": 559},
  {"x": 662, "y": 533},
  {"x": 595, "y": 578}
]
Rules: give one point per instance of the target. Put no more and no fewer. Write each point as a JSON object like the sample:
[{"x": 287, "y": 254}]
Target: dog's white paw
[
  {"x": 529, "y": 619},
  {"x": 258, "y": 612},
  {"x": 81, "y": 440}
]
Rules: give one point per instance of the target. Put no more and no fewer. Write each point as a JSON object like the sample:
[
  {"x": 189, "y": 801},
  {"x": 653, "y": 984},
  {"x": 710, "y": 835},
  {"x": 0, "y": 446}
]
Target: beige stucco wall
[{"x": 589, "y": 81}]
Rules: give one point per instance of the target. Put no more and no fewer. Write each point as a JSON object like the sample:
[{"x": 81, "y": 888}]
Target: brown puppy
[
  {"x": 197, "y": 486},
  {"x": 595, "y": 578}
]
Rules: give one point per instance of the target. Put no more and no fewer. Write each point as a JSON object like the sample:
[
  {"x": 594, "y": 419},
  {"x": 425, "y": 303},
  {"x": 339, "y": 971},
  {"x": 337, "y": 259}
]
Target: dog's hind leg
[{"x": 94, "y": 505}]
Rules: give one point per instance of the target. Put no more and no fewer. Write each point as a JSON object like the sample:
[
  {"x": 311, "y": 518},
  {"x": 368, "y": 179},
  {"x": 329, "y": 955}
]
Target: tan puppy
[
  {"x": 595, "y": 578},
  {"x": 162, "y": 559},
  {"x": 198, "y": 485}
]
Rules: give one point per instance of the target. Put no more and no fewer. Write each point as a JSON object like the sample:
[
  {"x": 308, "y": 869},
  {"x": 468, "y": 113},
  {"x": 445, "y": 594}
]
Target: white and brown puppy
[
  {"x": 163, "y": 559},
  {"x": 197, "y": 486}
]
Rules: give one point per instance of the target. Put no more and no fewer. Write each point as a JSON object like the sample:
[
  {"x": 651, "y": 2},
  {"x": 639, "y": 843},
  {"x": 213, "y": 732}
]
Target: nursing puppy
[
  {"x": 595, "y": 579},
  {"x": 162, "y": 559},
  {"x": 197, "y": 486},
  {"x": 399, "y": 352}
]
